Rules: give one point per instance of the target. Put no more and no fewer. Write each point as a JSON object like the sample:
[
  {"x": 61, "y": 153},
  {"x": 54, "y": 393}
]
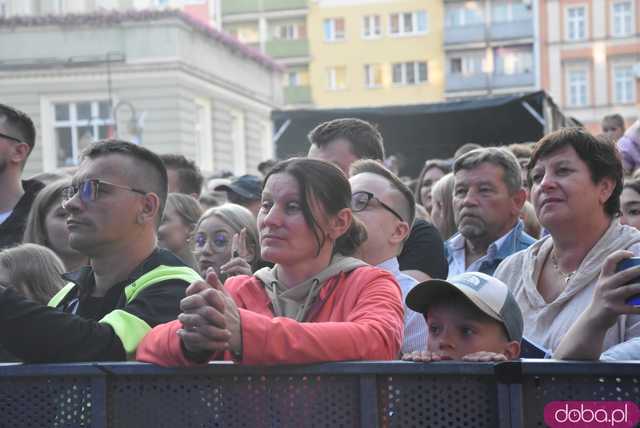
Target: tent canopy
[{"x": 426, "y": 131}]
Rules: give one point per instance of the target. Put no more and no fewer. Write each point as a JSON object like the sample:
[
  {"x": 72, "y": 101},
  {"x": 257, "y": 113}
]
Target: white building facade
[{"x": 159, "y": 78}]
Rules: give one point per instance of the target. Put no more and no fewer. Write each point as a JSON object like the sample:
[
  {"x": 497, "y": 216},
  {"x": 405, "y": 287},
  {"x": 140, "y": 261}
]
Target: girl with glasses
[{"x": 213, "y": 241}]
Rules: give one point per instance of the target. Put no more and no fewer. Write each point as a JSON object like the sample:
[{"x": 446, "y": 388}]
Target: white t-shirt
[
  {"x": 626, "y": 351},
  {"x": 4, "y": 216}
]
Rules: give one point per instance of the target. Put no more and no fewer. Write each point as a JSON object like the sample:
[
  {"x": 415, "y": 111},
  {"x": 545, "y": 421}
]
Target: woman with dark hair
[
  {"x": 575, "y": 182},
  {"x": 316, "y": 304}
]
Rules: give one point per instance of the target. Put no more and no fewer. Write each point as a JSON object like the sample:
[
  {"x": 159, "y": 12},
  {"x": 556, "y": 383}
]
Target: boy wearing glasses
[
  {"x": 387, "y": 209},
  {"x": 17, "y": 138},
  {"x": 113, "y": 209}
]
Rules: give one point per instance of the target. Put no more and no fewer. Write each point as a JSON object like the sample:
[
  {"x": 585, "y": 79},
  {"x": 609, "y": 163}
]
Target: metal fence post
[{"x": 368, "y": 401}]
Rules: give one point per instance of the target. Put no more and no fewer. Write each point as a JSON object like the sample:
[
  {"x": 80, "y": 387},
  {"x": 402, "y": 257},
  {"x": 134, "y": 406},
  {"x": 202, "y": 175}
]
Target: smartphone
[{"x": 626, "y": 264}]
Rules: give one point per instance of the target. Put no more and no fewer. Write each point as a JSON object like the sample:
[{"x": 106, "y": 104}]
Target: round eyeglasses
[
  {"x": 218, "y": 242},
  {"x": 360, "y": 201}
]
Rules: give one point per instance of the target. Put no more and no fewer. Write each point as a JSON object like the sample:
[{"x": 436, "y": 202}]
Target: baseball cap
[
  {"x": 248, "y": 186},
  {"x": 485, "y": 292}
]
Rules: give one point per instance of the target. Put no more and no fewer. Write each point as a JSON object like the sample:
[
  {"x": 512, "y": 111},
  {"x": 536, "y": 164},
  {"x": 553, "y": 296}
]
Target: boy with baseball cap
[{"x": 471, "y": 317}]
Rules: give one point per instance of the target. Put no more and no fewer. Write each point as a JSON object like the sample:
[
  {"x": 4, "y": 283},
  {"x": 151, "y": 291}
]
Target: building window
[
  {"x": 371, "y": 26},
  {"x": 238, "y": 142},
  {"x": 622, "y": 18},
  {"x": 408, "y": 23},
  {"x": 409, "y": 73},
  {"x": 77, "y": 125},
  {"x": 623, "y": 84},
  {"x": 290, "y": 31},
  {"x": 513, "y": 61},
  {"x": 336, "y": 78},
  {"x": 334, "y": 29},
  {"x": 292, "y": 79},
  {"x": 296, "y": 77},
  {"x": 510, "y": 11},
  {"x": 577, "y": 87},
  {"x": 466, "y": 65},
  {"x": 246, "y": 34},
  {"x": 463, "y": 14},
  {"x": 202, "y": 134},
  {"x": 576, "y": 23},
  {"x": 373, "y": 75}
]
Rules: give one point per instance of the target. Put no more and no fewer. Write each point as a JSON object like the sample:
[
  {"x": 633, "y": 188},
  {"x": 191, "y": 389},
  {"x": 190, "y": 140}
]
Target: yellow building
[{"x": 376, "y": 52}]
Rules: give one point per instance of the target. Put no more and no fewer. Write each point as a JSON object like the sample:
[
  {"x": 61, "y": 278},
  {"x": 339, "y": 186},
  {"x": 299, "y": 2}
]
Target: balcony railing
[
  {"x": 365, "y": 394},
  {"x": 511, "y": 30},
  {"x": 486, "y": 81},
  {"x": 297, "y": 95},
  {"x": 288, "y": 48},
  {"x": 465, "y": 34},
  {"x": 254, "y": 6},
  {"x": 509, "y": 80}
]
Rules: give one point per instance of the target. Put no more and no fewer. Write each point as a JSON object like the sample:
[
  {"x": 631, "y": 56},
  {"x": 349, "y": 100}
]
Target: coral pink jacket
[{"x": 358, "y": 315}]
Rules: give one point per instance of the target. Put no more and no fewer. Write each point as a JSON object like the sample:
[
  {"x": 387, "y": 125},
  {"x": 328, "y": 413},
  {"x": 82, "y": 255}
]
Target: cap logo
[{"x": 472, "y": 281}]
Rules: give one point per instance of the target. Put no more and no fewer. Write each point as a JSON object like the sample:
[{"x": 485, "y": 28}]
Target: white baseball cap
[{"x": 487, "y": 293}]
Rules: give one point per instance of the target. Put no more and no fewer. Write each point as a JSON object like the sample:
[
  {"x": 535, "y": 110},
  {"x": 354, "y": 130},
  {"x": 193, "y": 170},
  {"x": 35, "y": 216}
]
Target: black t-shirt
[
  {"x": 424, "y": 251},
  {"x": 71, "y": 332}
]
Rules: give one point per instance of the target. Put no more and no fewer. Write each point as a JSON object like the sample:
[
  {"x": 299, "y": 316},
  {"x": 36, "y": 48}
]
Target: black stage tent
[{"x": 427, "y": 131}]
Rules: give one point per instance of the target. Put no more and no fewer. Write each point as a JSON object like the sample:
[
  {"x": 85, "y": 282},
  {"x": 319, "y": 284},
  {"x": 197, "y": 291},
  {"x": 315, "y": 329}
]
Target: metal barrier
[{"x": 362, "y": 394}]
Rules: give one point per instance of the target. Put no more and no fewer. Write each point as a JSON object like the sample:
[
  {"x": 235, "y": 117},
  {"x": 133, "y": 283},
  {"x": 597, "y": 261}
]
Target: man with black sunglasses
[
  {"x": 17, "y": 138},
  {"x": 114, "y": 206}
]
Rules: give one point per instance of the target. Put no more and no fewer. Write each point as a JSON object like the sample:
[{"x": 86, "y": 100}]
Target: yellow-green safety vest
[{"x": 128, "y": 327}]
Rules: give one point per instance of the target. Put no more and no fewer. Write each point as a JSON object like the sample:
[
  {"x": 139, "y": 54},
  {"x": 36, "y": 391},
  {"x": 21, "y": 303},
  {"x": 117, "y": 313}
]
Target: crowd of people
[{"x": 495, "y": 254}]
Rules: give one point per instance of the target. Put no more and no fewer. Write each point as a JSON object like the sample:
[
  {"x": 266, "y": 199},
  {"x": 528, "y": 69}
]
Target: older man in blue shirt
[{"x": 487, "y": 199}]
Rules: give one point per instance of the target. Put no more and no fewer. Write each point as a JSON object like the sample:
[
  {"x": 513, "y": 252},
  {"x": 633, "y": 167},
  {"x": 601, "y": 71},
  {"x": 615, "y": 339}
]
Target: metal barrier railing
[{"x": 349, "y": 394}]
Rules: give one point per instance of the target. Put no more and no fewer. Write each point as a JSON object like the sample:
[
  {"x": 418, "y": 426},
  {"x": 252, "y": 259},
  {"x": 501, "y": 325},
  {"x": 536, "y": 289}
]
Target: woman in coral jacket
[{"x": 316, "y": 304}]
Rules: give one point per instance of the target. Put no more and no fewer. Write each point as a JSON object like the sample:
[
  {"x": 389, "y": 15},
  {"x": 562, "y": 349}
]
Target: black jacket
[
  {"x": 12, "y": 229},
  {"x": 37, "y": 333}
]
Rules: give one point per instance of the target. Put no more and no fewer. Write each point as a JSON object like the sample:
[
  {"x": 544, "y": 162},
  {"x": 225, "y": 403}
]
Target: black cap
[{"x": 247, "y": 186}]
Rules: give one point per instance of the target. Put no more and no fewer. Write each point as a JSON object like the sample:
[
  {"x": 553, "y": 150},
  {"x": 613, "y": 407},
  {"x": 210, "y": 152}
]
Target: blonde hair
[
  {"x": 186, "y": 206},
  {"x": 530, "y": 220},
  {"x": 238, "y": 218},
  {"x": 443, "y": 191},
  {"x": 33, "y": 270},
  {"x": 36, "y": 228}
]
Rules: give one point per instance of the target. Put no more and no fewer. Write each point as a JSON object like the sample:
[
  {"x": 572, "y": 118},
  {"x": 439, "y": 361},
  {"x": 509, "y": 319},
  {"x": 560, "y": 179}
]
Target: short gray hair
[{"x": 497, "y": 156}]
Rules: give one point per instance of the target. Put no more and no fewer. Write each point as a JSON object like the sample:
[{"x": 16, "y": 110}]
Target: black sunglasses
[
  {"x": 9, "y": 137},
  {"x": 360, "y": 201}
]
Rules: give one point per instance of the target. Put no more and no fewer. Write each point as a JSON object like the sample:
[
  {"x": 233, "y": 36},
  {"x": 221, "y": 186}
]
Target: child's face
[
  {"x": 612, "y": 129},
  {"x": 454, "y": 333}
]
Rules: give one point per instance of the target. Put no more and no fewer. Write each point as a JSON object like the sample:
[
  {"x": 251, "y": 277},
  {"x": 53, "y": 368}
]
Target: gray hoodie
[{"x": 294, "y": 302}]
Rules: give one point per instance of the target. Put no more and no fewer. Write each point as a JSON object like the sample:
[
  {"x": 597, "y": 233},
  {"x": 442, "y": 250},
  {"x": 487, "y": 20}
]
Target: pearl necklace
[{"x": 565, "y": 276}]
